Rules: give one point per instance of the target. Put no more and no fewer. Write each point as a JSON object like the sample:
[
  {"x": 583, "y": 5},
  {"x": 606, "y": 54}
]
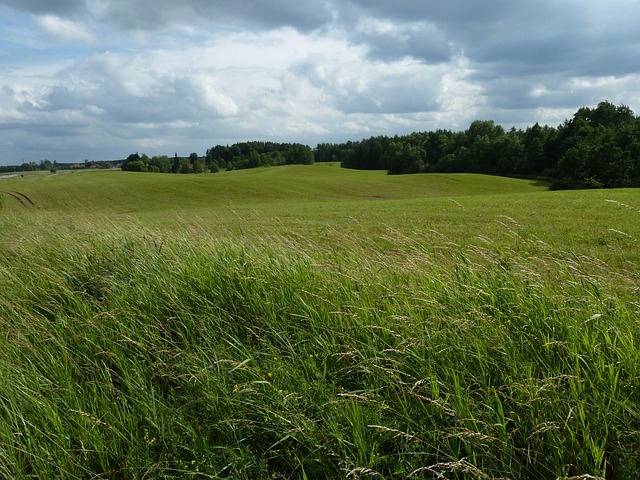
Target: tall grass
[{"x": 125, "y": 354}]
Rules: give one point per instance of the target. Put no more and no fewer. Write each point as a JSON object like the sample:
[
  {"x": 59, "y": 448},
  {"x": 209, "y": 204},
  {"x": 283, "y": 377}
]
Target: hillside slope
[{"x": 116, "y": 191}]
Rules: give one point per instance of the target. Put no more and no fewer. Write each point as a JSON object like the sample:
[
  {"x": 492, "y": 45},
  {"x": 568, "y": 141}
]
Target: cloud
[
  {"x": 158, "y": 15},
  {"x": 390, "y": 41},
  {"x": 513, "y": 38},
  {"x": 403, "y": 87},
  {"x": 45, "y": 6},
  {"x": 460, "y": 12},
  {"x": 145, "y": 15},
  {"x": 137, "y": 91},
  {"x": 202, "y": 93},
  {"x": 62, "y": 29},
  {"x": 111, "y": 75}
]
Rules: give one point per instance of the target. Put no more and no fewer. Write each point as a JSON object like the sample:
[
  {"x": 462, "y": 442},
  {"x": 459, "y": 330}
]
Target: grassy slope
[
  {"x": 329, "y": 205},
  {"x": 290, "y": 323},
  {"x": 123, "y": 191}
]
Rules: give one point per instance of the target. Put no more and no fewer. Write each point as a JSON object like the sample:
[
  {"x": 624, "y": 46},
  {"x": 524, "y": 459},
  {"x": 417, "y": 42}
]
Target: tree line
[
  {"x": 54, "y": 166},
  {"x": 599, "y": 147},
  {"x": 235, "y": 157}
]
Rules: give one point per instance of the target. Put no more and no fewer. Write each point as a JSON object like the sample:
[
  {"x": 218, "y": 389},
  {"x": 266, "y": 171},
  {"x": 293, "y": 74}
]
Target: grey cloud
[
  {"x": 45, "y": 6},
  {"x": 110, "y": 105},
  {"x": 459, "y": 12},
  {"x": 526, "y": 55},
  {"x": 366, "y": 62},
  {"x": 418, "y": 40},
  {"x": 551, "y": 46},
  {"x": 501, "y": 36},
  {"x": 505, "y": 37},
  {"x": 153, "y": 15},
  {"x": 376, "y": 92},
  {"x": 553, "y": 91},
  {"x": 519, "y": 38},
  {"x": 384, "y": 102},
  {"x": 388, "y": 95},
  {"x": 124, "y": 91}
]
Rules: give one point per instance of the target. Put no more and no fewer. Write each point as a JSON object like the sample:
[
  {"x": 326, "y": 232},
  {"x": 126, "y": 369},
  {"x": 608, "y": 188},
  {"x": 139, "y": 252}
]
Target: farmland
[{"x": 316, "y": 322}]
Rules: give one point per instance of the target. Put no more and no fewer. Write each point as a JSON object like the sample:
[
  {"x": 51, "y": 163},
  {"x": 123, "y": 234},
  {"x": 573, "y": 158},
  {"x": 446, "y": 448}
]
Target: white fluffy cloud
[
  {"x": 63, "y": 29},
  {"x": 101, "y": 78}
]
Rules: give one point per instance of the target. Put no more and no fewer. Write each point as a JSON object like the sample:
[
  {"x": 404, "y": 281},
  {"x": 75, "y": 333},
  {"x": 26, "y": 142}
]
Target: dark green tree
[
  {"x": 299, "y": 154},
  {"x": 176, "y": 165},
  {"x": 198, "y": 166},
  {"x": 404, "y": 158},
  {"x": 161, "y": 164},
  {"x": 133, "y": 163}
]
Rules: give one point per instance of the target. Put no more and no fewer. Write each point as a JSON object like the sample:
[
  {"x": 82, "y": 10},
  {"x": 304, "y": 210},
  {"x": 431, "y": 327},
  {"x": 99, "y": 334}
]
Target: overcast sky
[{"x": 100, "y": 79}]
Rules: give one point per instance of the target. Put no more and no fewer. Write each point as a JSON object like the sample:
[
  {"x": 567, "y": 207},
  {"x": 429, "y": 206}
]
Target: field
[{"x": 316, "y": 322}]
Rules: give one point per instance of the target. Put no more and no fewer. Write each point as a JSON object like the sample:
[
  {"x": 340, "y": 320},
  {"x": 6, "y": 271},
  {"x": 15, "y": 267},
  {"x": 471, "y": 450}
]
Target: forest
[
  {"x": 235, "y": 157},
  {"x": 597, "y": 148}
]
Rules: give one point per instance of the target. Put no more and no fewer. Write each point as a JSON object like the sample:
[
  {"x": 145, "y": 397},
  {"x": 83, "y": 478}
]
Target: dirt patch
[
  {"x": 21, "y": 198},
  {"x": 26, "y": 199}
]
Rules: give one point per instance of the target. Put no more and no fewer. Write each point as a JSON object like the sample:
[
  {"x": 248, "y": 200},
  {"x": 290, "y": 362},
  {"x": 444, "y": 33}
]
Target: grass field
[{"x": 315, "y": 322}]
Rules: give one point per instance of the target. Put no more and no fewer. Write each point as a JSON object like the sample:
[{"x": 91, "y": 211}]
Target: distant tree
[
  {"x": 299, "y": 154},
  {"x": 327, "y": 152},
  {"x": 598, "y": 148},
  {"x": 133, "y": 163},
  {"x": 509, "y": 155},
  {"x": 198, "y": 166},
  {"x": 367, "y": 154},
  {"x": 135, "y": 166},
  {"x": 217, "y": 157},
  {"x": 609, "y": 115},
  {"x": 273, "y": 159},
  {"x": 254, "y": 159},
  {"x": 161, "y": 164},
  {"x": 483, "y": 128},
  {"x": 437, "y": 146},
  {"x": 45, "y": 165},
  {"x": 404, "y": 158},
  {"x": 176, "y": 165},
  {"x": 257, "y": 154}
]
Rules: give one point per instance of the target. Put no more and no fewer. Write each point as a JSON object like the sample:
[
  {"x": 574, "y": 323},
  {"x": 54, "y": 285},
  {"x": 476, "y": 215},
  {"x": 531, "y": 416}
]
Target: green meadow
[{"x": 314, "y": 322}]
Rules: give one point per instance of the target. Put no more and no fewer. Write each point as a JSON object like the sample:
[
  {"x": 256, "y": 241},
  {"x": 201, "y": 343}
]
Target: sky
[{"x": 100, "y": 79}]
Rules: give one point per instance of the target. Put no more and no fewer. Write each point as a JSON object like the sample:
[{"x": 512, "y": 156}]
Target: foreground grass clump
[{"x": 126, "y": 356}]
